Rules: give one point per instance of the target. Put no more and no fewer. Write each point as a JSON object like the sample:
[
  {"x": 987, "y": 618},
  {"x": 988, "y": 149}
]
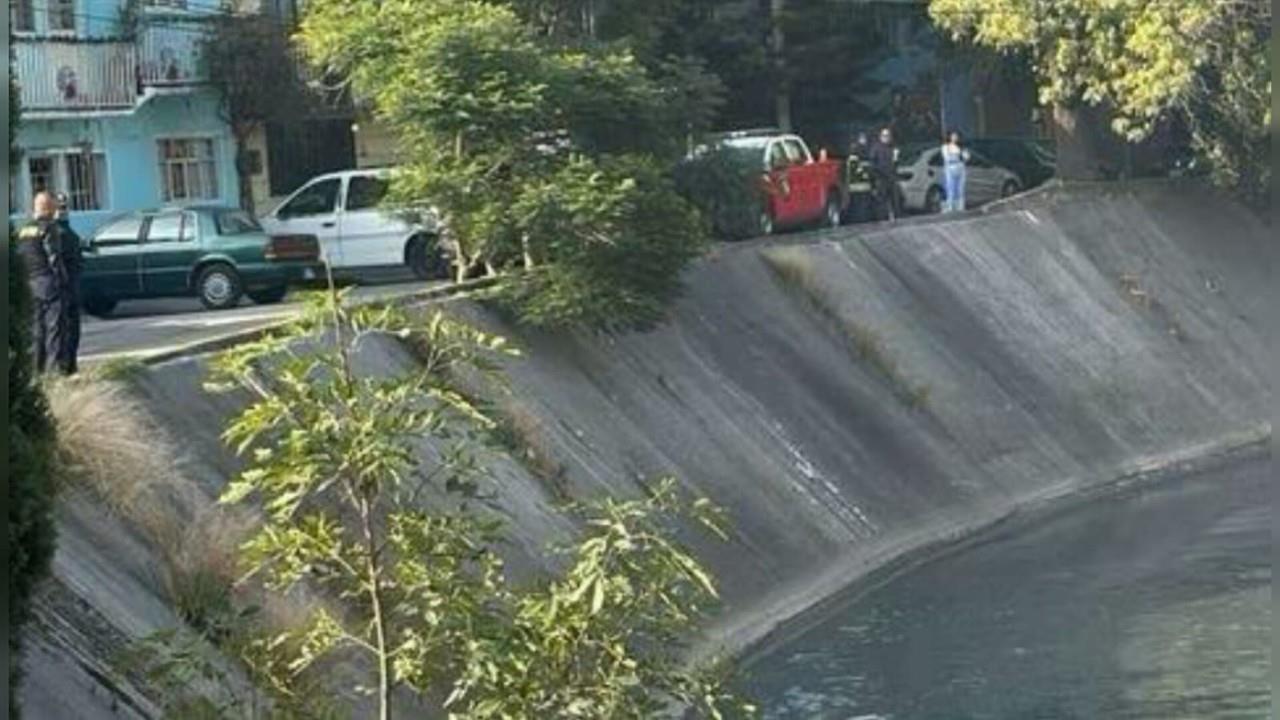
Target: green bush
[
  {"x": 617, "y": 236},
  {"x": 30, "y": 434},
  {"x": 723, "y": 186}
]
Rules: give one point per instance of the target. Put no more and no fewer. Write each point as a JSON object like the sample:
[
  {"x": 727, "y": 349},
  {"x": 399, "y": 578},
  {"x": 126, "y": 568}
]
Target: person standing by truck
[
  {"x": 955, "y": 158},
  {"x": 884, "y": 172}
]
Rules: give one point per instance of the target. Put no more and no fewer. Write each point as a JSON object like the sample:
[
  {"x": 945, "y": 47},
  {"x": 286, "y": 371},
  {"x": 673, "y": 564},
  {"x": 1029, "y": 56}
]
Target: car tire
[
  {"x": 98, "y": 307},
  {"x": 425, "y": 259},
  {"x": 1011, "y": 187},
  {"x": 218, "y": 287},
  {"x": 933, "y": 200},
  {"x": 269, "y": 296},
  {"x": 832, "y": 214}
]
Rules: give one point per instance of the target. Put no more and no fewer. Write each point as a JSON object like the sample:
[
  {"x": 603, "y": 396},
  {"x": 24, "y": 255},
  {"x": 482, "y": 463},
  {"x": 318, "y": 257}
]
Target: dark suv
[{"x": 1029, "y": 159}]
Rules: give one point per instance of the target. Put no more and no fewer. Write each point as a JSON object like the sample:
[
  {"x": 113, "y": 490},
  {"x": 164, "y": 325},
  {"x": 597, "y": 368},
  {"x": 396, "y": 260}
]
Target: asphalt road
[{"x": 141, "y": 328}]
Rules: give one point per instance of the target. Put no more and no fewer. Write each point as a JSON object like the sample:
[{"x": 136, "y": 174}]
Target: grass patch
[
  {"x": 109, "y": 446},
  {"x": 201, "y": 568},
  {"x": 520, "y": 432},
  {"x": 795, "y": 271},
  {"x": 119, "y": 369}
]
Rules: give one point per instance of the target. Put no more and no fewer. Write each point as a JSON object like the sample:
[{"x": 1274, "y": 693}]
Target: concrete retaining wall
[{"x": 855, "y": 395}]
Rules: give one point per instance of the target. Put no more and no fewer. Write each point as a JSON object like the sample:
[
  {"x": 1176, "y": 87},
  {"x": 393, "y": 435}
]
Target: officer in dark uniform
[
  {"x": 73, "y": 258},
  {"x": 41, "y": 245}
]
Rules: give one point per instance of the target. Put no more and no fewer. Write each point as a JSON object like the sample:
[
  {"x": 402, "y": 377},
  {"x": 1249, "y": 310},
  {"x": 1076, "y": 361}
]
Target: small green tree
[
  {"x": 1206, "y": 60},
  {"x": 490, "y": 113},
  {"x": 30, "y": 439},
  {"x": 393, "y": 531}
]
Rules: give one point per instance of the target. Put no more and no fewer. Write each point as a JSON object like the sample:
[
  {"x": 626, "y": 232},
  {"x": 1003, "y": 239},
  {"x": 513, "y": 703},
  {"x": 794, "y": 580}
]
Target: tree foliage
[
  {"x": 30, "y": 437},
  {"x": 491, "y": 112},
  {"x": 396, "y": 534},
  {"x": 1205, "y": 60}
]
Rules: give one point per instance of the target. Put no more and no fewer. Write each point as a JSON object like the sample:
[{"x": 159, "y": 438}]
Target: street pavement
[{"x": 142, "y": 328}]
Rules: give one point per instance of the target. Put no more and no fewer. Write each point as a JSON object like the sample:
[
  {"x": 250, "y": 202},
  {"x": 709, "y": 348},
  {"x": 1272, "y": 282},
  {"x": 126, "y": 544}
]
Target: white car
[
  {"x": 342, "y": 210},
  {"x": 920, "y": 177}
]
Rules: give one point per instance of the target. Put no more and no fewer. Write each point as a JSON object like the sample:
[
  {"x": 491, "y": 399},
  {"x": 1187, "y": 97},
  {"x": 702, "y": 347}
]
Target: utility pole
[{"x": 778, "y": 46}]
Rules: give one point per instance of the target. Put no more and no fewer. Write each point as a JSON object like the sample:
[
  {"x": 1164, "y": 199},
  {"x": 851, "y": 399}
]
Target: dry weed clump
[
  {"x": 109, "y": 446},
  {"x": 521, "y": 433}
]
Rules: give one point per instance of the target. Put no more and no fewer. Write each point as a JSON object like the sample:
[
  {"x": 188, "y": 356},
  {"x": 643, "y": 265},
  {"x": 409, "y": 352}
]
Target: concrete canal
[{"x": 1153, "y": 604}]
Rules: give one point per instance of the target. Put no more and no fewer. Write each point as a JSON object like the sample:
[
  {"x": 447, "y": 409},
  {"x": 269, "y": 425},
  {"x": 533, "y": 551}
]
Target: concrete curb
[{"x": 231, "y": 339}]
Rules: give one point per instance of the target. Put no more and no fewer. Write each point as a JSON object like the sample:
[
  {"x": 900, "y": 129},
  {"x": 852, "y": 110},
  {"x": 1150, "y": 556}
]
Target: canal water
[{"x": 1154, "y": 604}]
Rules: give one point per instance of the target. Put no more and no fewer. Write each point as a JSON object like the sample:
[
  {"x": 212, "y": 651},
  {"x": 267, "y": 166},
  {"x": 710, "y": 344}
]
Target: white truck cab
[{"x": 342, "y": 210}]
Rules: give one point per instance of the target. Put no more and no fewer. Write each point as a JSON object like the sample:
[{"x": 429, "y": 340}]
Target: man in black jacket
[
  {"x": 884, "y": 172},
  {"x": 43, "y": 248},
  {"x": 73, "y": 258}
]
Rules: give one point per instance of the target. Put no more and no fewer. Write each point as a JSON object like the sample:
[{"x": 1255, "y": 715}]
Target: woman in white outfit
[{"x": 954, "y": 175}]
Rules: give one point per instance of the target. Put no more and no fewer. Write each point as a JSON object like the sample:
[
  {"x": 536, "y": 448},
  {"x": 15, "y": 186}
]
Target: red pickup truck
[{"x": 796, "y": 188}]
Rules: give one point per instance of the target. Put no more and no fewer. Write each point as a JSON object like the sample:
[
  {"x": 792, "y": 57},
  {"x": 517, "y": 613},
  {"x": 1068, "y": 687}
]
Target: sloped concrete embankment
[{"x": 857, "y": 395}]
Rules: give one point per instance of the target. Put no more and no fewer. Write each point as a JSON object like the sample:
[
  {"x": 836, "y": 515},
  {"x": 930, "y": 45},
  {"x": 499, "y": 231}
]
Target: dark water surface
[{"x": 1153, "y": 604}]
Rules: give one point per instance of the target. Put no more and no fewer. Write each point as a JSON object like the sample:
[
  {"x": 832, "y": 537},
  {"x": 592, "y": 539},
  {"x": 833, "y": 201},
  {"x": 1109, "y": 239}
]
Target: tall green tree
[
  {"x": 489, "y": 111},
  {"x": 397, "y": 537},
  {"x": 1143, "y": 60},
  {"x": 250, "y": 63},
  {"x": 30, "y": 438}
]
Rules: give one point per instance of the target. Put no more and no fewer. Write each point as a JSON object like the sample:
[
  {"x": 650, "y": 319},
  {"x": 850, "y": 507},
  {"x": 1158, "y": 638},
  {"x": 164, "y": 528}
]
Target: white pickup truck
[{"x": 342, "y": 210}]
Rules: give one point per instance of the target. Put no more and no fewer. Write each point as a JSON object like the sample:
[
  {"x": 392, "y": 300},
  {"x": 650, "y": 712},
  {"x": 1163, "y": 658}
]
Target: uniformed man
[
  {"x": 73, "y": 258},
  {"x": 41, "y": 246}
]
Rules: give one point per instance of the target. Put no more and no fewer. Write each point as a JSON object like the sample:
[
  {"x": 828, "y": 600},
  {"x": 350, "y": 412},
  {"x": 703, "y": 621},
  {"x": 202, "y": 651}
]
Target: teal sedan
[{"x": 218, "y": 254}]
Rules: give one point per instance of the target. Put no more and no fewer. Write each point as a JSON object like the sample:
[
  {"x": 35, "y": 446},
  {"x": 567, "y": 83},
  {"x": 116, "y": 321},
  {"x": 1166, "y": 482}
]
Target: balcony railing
[
  {"x": 57, "y": 74},
  {"x": 170, "y": 52}
]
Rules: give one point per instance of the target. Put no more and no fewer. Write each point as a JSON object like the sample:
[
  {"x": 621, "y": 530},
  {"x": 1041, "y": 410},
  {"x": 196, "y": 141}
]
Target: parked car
[
  {"x": 217, "y": 254},
  {"x": 796, "y": 188},
  {"x": 1029, "y": 159},
  {"x": 920, "y": 176},
  {"x": 344, "y": 211}
]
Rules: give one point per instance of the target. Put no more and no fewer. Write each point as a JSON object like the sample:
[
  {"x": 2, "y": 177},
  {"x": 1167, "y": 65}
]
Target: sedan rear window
[{"x": 235, "y": 222}]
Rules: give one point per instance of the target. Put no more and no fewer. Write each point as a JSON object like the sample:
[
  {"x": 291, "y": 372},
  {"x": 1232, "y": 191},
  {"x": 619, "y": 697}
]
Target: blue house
[{"x": 115, "y": 111}]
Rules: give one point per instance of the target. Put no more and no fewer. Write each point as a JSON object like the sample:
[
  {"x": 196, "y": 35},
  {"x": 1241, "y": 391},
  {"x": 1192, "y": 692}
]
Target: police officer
[
  {"x": 73, "y": 258},
  {"x": 884, "y": 171},
  {"x": 41, "y": 245}
]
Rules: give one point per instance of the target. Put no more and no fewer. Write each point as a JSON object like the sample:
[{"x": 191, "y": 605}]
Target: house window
[
  {"x": 62, "y": 15},
  {"x": 82, "y": 176},
  {"x": 188, "y": 170},
  {"x": 22, "y": 15},
  {"x": 86, "y": 181}
]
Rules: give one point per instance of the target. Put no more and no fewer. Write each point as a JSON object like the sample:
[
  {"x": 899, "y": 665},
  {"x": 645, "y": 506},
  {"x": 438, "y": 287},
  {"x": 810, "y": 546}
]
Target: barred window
[
  {"x": 62, "y": 15},
  {"x": 22, "y": 16},
  {"x": 82, "y": 176},
  {"x": 188, "y": 169}
]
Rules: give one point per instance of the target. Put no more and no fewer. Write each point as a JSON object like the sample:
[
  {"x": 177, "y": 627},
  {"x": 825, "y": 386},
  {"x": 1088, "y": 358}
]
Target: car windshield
[{"x": 235, "y": 222}]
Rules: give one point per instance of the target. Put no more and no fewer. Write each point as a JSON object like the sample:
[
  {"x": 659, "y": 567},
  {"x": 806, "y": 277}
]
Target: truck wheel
[
  {"x": 765, "y": 223},
  {"x": 425, "y": 259},
  {"x": 99, "y": 307},
  {"x": 832, "y": 214},
  {"x": 933, "y": 200},
  {"x": 268, "y": 296},
  {"x": 218, "y": 286}
]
